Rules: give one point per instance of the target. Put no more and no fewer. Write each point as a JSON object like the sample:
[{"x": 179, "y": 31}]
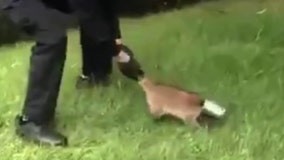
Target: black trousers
[
  {"x": 96, "y": 36},
  {"x": 96, "y": 55},
  {"x": 47, "y": 26}
]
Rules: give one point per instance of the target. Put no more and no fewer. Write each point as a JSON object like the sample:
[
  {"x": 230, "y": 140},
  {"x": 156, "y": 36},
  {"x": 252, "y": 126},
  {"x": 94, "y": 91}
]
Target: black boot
[{"x": 40, "y": 134}]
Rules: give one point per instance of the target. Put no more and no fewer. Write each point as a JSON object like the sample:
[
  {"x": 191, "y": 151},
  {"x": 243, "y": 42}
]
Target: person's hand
[
  {"x": 122, "y": 56},
  {"x": 118, "y": 41}
]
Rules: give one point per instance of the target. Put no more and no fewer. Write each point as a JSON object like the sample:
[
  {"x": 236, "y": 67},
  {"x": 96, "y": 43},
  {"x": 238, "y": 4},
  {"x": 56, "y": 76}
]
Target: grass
[{"x": 235, "y": 58}]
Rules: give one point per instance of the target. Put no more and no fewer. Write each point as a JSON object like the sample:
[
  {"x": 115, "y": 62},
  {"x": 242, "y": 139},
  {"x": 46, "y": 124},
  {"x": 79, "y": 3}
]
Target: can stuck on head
[{"x": 213, "y": 109}]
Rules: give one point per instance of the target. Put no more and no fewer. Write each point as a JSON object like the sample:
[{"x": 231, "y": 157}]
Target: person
[
  {"x": 101, "y": 40},
  {"x": 44, "y": 21}
]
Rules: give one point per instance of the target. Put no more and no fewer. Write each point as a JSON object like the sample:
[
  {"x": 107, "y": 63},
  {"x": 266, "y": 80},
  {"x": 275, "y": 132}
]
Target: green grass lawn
[{"x": 225, "y": 51}]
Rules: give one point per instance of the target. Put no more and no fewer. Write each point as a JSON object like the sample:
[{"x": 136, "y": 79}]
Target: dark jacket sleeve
[
  {"x": 61, "y": 5},
  {"x": 112, "y": 12},
  {"x": 116, "y": 26}
]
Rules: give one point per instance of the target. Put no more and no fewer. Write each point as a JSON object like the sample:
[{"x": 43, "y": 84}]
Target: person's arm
[
  {"x": 61, "y": 5},
  {"x": 113, "y": 18},
  {"x": 116, "y": 28},
  {"x": 116, "y": 22}
]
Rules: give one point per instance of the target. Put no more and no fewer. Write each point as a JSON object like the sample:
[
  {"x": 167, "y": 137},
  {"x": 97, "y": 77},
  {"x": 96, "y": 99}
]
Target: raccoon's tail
[{"x": 213, "y": 109}]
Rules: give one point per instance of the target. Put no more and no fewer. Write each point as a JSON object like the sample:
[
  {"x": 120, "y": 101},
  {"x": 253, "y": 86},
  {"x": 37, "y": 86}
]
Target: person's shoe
[
  {"x": 40, "y": 134},
  {"x": 84, "y": 82}
]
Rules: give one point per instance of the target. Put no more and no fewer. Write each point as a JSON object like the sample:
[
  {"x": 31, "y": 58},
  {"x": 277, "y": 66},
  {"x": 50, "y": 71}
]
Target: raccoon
[{"x": 169, "y": 100}]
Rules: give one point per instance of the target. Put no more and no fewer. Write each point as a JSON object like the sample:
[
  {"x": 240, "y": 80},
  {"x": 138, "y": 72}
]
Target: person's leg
[
  {"x": 102, "y": 60},
  {"x": 86, "y": 49},
  {"x": 85, "y": 78},
  {"x": 45, "y": 72},
  {"x": 96, "y": 46}
]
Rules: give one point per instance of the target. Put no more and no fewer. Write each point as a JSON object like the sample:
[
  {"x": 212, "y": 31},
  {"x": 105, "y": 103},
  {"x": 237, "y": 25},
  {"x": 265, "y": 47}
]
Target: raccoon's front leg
[
  {"x": 155, "y": 112},
  {"x": 192, "y": 120}
]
